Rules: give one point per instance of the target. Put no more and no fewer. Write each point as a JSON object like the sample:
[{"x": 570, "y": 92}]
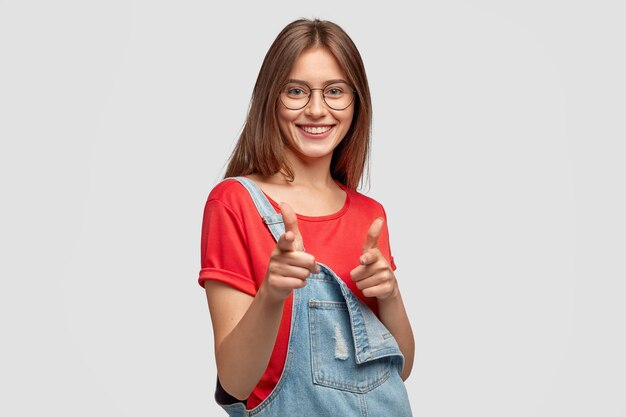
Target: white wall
[{"x": 498, "y": 153}]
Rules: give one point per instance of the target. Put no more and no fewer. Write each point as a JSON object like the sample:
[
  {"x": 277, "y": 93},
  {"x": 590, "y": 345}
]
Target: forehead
[{"x": 316, "y": 66}]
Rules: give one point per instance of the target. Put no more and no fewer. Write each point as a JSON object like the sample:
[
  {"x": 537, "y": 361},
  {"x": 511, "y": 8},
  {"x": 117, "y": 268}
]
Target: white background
[{"x": 498, "y": 152}]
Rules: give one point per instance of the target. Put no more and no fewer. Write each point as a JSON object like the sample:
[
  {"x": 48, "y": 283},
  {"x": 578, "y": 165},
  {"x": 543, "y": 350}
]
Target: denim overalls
[{"x": 341, "y": 360}]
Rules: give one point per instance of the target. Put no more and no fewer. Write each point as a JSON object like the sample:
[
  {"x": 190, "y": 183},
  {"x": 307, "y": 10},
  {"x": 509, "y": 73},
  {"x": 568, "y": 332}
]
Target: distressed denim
[{"x": 341, "y": 360}]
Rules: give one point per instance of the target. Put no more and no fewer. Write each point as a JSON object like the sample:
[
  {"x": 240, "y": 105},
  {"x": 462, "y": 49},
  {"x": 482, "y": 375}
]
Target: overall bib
[{"x": 341, "y": 360}]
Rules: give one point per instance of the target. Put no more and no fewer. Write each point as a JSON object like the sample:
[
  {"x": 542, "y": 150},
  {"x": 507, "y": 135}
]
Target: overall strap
[{"x": 273, "y": 220}]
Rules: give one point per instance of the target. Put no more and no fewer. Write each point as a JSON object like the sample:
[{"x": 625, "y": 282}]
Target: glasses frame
[{"x": 308, "y": 100}]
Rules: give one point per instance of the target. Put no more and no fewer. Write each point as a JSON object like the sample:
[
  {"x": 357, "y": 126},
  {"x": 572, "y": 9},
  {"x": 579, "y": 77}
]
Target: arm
[
  {"x": 374, "y": 276},
  {"x": 245, "y": 327},
  {"x": 245, "y": 330},
  {"x": 393, "y": 315}
]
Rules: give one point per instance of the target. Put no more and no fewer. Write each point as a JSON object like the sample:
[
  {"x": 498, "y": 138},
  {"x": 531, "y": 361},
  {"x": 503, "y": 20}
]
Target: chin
[
  {"x": 313, "y": 154},
  {"x": 314, "y": 150}
]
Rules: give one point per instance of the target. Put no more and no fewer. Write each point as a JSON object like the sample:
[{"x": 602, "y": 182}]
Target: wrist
[
  {"x": 268, "y": 299},
  {"x": 391, "y": 298}
]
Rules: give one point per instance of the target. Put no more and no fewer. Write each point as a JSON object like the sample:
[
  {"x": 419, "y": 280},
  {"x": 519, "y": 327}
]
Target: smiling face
[{"x": 314, "y": 131}]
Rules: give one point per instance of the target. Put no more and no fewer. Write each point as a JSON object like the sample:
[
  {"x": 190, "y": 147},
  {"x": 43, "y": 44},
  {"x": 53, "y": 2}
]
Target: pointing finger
[
  {"x": 369, "y": 257},
  {"x": 290, "y": 221},
  {"x": 286, "y": 242},
  {"x": 373, "y": 234}
]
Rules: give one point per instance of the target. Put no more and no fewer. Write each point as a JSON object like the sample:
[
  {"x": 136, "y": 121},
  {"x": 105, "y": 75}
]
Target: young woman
[{"x": 307, "y": 314}]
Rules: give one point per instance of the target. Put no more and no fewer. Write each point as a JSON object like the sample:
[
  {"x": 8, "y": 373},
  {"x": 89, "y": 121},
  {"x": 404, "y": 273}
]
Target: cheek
[
  {"x": 282, "y": 122},
  {"x": 284, "y": 119},
  {"x": 286, "y": 125},
  {"x": 347, "y": 120}
]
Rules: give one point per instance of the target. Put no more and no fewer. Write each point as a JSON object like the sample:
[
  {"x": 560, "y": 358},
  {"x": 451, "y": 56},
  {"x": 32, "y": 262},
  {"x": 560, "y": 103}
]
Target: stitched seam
[
  {"x": 363, "y": 405},
  {"x": 352, "y": 388},
  {"x": 328, "y": 305}
]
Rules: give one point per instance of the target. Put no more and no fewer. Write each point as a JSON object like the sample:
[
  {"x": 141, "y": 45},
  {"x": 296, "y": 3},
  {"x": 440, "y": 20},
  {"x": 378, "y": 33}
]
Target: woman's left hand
[{"x": 374, "y": 276}]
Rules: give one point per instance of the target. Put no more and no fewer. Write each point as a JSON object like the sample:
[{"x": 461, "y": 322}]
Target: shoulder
[
  {"x": 364, "y": 203},
  {"x": 230, "y": 196},
  {"x": 230, "y": 193}
]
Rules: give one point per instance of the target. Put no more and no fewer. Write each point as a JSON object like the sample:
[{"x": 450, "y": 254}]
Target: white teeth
[{"x": 316, "y": 130}]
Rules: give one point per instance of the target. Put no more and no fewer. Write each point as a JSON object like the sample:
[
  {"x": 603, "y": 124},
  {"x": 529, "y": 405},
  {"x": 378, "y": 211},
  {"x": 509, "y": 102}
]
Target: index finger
[
  {"x": 286, "y": 242},
  {"x": 290, "y": 220},
  {"x": 373, "y": 233}
]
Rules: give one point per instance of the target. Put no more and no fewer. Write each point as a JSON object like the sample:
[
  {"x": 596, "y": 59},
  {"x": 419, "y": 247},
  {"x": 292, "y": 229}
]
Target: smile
[{"x": 316, "y": 130}]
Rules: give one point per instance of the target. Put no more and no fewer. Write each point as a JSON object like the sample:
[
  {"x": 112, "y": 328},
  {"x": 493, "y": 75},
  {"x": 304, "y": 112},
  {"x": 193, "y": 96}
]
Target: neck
[{"x": 311, "y": 172}]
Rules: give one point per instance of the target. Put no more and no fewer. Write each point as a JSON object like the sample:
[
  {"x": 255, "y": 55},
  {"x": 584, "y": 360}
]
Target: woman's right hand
[{"x": 289, "y": 265}]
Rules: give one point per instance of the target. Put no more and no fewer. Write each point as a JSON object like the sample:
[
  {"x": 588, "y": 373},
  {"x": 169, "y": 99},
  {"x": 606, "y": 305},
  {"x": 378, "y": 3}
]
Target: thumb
[
  {"x": 291, "y": 225},
  {"x": 373, "y": 234}
]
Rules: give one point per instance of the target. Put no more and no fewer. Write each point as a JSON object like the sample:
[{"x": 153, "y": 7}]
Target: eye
[
  {"x": 335, "y": 90},
  {"x": 296, "y": 91}
]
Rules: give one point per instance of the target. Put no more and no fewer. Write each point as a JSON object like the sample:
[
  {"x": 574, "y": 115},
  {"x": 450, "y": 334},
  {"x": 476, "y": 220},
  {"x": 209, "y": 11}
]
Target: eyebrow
[{"x": 339, "y": 80}]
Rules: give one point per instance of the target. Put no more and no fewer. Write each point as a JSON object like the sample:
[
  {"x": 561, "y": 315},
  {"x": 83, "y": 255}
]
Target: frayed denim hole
[{"x": 341, "y": 347}]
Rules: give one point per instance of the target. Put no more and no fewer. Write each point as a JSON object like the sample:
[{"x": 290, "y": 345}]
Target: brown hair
[{"x": 260, "y": 145}]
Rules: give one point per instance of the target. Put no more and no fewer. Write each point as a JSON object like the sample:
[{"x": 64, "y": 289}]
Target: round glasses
[{"x": 337, "y": 95}]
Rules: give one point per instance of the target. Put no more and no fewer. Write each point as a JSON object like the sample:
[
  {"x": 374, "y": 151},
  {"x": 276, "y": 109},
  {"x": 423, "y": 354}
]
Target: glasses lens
[
  {"x": 295, "y": 96},
  {"x": 338, "y": 96}
]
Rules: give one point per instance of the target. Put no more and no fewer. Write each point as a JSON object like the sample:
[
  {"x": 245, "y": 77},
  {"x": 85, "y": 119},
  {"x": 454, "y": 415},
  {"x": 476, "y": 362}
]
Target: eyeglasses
[{"x": 337, "y": 95}]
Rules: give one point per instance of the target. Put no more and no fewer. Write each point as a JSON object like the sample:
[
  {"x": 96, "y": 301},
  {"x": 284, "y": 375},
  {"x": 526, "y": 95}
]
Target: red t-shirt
[{"x": 236, "y": 246}]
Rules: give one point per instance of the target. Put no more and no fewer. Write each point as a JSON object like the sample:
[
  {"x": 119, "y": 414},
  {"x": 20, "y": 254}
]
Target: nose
[{"x": 316, "y": 106}]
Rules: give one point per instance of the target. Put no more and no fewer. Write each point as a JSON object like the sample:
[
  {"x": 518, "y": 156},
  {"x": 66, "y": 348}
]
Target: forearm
[
  {"x": 244, "y": 354},
  {"x": 392, "y": 313}
]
